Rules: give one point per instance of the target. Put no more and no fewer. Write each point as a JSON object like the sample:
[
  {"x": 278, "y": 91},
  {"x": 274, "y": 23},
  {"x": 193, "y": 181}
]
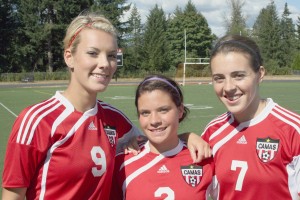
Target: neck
[
  {"x": 164, "y": 146},
  {"x": 82, "y": 101},
  {"x": 255, "y": 109}
]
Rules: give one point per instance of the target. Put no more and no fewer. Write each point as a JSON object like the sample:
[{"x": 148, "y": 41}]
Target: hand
[
  {"x": 199, "y": 149},
  {"x": 133, "y": 145}
]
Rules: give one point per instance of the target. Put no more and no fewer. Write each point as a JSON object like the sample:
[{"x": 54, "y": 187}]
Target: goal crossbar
[{"x": 197, "y": 61}]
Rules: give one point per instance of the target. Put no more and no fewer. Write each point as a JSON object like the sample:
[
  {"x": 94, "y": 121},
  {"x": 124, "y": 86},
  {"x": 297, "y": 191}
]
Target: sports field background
[{"x": 200, "y": 98}]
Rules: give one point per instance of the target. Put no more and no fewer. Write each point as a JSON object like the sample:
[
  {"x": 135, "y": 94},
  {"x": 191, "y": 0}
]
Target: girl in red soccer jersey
[
  {"x": 256, "y": 144},
  {"x": 64, "y": 147},
  {"x": 164, "y": 168}
]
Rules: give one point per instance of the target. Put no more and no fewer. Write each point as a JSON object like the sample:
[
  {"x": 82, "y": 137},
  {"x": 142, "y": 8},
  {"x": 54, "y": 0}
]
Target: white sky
[{"x": 215, "y": 10}]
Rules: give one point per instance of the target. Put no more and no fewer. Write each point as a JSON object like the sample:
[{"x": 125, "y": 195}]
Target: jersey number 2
[
  {"x": 244, "y": 167},
  {"x": 98, "y": 156},
  {"x": 165, "y": 190}
]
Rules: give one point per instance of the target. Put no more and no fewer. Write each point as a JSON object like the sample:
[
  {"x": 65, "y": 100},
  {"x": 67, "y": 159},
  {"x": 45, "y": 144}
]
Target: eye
[
  {"x": 164, "y": 110},
  {"x": 144, "y": 113},
  {"x": 112, "y": 55},
  {"x": 218, "y": 79},
  {"x": 92, "y": 53},
  {"x": 239, "y": 76}
]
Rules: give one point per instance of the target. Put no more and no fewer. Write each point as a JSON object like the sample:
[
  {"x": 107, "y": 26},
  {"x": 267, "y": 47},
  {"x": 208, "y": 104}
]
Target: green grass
[{"x": 203, "y": 104}]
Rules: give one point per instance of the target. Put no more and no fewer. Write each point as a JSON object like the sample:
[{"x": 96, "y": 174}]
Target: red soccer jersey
[
  {"x": 170, "y": 175},
  {"x": 257, "y": 159},
  {"x": 57, "y": 152}
]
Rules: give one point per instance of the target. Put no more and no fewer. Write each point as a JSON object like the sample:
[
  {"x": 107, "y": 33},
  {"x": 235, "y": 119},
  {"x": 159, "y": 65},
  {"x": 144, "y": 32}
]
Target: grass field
[{"x": 201, "y": 100}]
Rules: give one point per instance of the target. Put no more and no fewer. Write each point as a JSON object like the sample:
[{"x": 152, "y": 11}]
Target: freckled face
[
  {"x": 159, "y": 119},
  {"x": 236, "y": 84},
  {"x": 94, "y": 62}
]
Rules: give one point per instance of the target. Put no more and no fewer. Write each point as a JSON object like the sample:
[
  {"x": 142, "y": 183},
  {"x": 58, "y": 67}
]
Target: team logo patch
[
  {"x": 111, "y": 134},
  {"x": 192, "y": 174},
  {"x": 266, "y": 148}
]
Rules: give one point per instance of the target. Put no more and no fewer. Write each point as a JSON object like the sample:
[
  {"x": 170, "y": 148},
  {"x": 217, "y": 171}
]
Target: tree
[
  {"x": 8, "y": 32},
  {"x": 113, "y": 10},
  {"x": 266, "y": 31},
  {"x": 175, "y": 35},
  {"x": 155, "y": 49},
  {"x": 133, "y": 42},
  {"x": 287, "y": 39},
  {"x": 236, "y": 24},
  {"x": 42, "y": 29},
  {"x": 298, "y": 33},
  {"x": 198, "y": 34}
]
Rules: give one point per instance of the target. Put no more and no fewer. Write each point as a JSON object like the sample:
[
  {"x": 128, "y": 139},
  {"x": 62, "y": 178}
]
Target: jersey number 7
[{"x": 244, "y": 167}]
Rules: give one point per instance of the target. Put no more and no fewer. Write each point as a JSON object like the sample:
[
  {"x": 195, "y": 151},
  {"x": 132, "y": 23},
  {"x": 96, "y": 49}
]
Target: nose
[
  {"x": 155, "y": 119},
  {"x": 103, "y": 61},
  {"x": 229, "y": 84}
]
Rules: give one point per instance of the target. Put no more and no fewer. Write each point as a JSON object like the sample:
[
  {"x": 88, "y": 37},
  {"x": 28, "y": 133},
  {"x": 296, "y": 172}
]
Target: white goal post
[{"x": 191, "y": 61}]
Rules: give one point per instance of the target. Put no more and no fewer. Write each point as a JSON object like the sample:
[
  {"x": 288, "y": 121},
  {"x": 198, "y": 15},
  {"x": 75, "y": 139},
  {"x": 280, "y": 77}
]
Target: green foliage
[
  {"x": 37, "y": 76},
  {"x": 32, "y": 33},
  {"x": 266, "y": 31},
  {"x": 237, "y": 22},
  {"x": 298, "y": 34},
  {"x": 296, "y": 62},
  {"x": 287, "y": 39},
  {"x": 113, "y": 10},
  {"x": 134, "y": 43},
  {"x": 8, "y": 30},
  {"x": 198, "y": 34},
  {"x": 155, "y": 50}
]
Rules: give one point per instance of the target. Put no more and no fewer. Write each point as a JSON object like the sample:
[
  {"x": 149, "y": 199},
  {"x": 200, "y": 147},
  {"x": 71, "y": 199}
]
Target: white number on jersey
[
  {"x": 165, "y": 190},
  {"x": 244, "y": 167},
  {"x": 99, "y": 161}
]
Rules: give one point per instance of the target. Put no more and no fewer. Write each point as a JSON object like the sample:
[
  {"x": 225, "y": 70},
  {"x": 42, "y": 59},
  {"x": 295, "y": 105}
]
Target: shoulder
[
  {"x": 284, "y": 118},
  {"x": 108, "y": 108},
  {"x": 123, "y": 159},
  {"x": 218, "y": 122},
  {"x": 38, "y": 109}
]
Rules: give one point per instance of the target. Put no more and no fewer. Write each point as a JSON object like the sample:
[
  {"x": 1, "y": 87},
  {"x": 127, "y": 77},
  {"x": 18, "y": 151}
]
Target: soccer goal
[{"x": 191, "y": 61}]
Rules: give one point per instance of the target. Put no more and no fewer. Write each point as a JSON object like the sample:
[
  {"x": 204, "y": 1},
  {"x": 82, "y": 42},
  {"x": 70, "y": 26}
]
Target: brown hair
[
  {"x": 239, "y": 44},
  {"x": 163, "y": 83}
]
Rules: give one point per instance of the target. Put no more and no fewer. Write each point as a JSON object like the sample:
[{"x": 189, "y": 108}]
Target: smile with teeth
[
  {"x": 99, "y": 75},
  {"x": 157, "y": 129},
  {"x": 232, "y": 98}
]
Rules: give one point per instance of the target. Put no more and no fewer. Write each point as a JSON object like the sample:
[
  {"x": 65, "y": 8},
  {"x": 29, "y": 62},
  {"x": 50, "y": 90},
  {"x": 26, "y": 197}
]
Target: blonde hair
[{"x": 87, "y": 20}]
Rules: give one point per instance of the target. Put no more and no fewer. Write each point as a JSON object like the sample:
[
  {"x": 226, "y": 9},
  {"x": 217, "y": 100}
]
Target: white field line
[
  {"x": 11, "y": 112},
  {"x": 37, "y": 91}
]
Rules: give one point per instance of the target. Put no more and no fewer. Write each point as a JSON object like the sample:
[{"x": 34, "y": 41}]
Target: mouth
[
  {"x": 157, "y": 130},
  {"x": 232, "y": 98},
  {"x": 98, "y": 76}
]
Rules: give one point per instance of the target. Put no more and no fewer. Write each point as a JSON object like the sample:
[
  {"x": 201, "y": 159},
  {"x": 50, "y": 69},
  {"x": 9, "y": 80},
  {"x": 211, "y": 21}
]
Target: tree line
[{"x": 32, "y": 31}]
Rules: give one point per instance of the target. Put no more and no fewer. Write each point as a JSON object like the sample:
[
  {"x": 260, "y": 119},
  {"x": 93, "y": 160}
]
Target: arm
[
  {"x": 132, "y": 146},
  {"x": 13, "y": 193},
  {"x": 199, "y": 149},
  {"x": 130, "y": 141}
]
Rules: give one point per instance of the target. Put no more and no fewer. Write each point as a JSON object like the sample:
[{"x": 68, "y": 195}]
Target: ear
[
  {"x": 68, "y": 58},
  {"x": 180, "y": 111},
  {"x": 261, "y": 73}
]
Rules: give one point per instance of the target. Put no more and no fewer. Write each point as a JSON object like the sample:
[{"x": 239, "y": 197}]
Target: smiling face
[
  {"x": 94, "y": 61},
  {"x": 159, "y": 119},
  {"x": 236, "y": 84}
]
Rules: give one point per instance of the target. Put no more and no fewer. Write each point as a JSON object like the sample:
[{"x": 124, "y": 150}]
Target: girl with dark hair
[
  {"x": 164, "y": 167},
  {"x": 256, "y": 143}
]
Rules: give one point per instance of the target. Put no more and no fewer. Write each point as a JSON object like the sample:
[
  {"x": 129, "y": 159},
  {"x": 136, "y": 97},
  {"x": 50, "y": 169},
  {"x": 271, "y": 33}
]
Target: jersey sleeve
[
  {"x": 21, "y": 159},
  {"x": 116, "y": 187},
  {"x": 134, "y": 132},
  {"x": 296, "y": 159}
]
